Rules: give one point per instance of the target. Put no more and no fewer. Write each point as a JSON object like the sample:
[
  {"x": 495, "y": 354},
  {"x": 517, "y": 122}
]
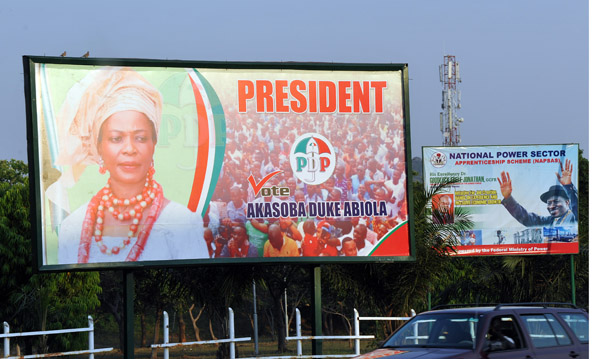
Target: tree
[
  {"x": 160, "y": 290},
  {"x": 111, "y": 300},
  {"x": 15, "y": 231},
  {"x": 13, "y": 172},
  {"x": 434, "y": 245},
  {"x": 31, "y": 301},
  {"x": 390, "y": 289},
  {"x": 277, "y": 279},
  {"x": 582, "y": 260}
]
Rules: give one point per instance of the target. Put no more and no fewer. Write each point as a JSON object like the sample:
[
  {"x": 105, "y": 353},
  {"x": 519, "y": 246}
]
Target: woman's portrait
[
  {"x": 152, "y": 163},
  {"x": 111, "y": 120}
]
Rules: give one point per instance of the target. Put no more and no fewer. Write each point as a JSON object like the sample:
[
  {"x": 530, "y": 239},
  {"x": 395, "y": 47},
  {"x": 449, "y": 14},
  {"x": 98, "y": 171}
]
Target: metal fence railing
[
  {"x": 231, "y": 340},
  {"x": 90, "y": 329},
  {"x": 358, "y": 318},
  {"x": 356, "y": 337}
]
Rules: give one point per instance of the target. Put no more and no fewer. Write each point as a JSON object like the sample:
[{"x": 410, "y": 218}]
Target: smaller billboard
[{"x": 521, "y": 199}]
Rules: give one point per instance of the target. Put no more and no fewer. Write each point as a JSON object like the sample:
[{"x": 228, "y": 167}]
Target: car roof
[
  {"x": 460, "y": 310},
  {"x": 484, "y": 308}
]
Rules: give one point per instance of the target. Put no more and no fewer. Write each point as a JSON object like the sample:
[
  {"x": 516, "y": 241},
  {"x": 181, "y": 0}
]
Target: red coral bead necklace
[{"x": 124, "y": 210}]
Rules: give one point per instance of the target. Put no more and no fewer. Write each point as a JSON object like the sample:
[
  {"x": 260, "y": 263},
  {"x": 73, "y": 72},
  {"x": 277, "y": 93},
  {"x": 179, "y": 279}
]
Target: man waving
[{"x": 561, "y": 201}]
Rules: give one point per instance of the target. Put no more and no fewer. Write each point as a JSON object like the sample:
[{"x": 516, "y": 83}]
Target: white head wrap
[
  {"x": 100, "y": 94},
  {"x": 91, "y": 101}
]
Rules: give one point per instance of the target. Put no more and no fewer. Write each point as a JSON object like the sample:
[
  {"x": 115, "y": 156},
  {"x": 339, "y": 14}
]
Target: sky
[{"x": 524, "y": 64}]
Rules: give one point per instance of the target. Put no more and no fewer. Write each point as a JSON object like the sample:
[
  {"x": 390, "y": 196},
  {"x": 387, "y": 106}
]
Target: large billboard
[
  {"x": 521, "y": 199},
  {"x": 144, "y": 162}
]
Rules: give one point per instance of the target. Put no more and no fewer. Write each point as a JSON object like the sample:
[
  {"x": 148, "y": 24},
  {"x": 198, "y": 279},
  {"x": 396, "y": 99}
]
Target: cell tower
[{"x": 449, "y": 120}]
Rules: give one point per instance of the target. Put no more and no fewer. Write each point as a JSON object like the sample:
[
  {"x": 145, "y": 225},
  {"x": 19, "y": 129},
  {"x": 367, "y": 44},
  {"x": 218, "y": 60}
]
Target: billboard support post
[
  {"x": 128, "y": 292},
  {"x": 573, "y": 278},
  {"x": 255, "y": 317},
  {"x": 317, "y": 330}
]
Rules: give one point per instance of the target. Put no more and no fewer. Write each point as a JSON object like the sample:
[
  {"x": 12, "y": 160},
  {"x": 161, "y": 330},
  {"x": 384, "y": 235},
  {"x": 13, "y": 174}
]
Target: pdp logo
[
  {"x": 438, "y": 160},
  {"x": 312, "y": 158}
]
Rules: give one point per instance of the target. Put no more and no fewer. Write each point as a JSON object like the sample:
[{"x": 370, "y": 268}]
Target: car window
[
  {"x": 503, "y": 334},
  {"x": 447, "y": 330},
  {"x": 580, "y": 325},
  {"x": 561, "y": 333},
  {"x": 545, "y": 330}
]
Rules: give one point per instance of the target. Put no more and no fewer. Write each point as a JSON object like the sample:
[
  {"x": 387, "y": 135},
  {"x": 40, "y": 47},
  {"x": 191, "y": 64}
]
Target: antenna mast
[{"x": 449, "y": 120}]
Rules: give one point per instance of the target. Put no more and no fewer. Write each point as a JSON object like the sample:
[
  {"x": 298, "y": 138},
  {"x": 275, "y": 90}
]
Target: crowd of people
[{"x": 370, "y": 165}]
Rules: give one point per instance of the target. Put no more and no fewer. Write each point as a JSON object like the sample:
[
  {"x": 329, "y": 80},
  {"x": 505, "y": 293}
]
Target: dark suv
[{"x": 522, "y": 330}]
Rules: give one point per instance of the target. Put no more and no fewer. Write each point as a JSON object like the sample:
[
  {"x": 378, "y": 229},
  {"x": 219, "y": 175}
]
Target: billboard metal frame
[
  {"x": 496, "y": 147},
  {"x": 35, "y": 164}
]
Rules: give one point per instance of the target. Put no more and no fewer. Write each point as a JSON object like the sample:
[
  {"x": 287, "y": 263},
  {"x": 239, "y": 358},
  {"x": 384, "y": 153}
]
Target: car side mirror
[
  {"x": 492, "y": 346},
  {"x": 380, "y": 343}
]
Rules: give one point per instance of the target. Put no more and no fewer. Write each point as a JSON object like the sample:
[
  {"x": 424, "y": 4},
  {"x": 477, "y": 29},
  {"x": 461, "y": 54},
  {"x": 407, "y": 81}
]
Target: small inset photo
[
  {"x": 560, "y": 234},
  {"x": 471, "y": 238},
  {"x": 442, "y": 208}
]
